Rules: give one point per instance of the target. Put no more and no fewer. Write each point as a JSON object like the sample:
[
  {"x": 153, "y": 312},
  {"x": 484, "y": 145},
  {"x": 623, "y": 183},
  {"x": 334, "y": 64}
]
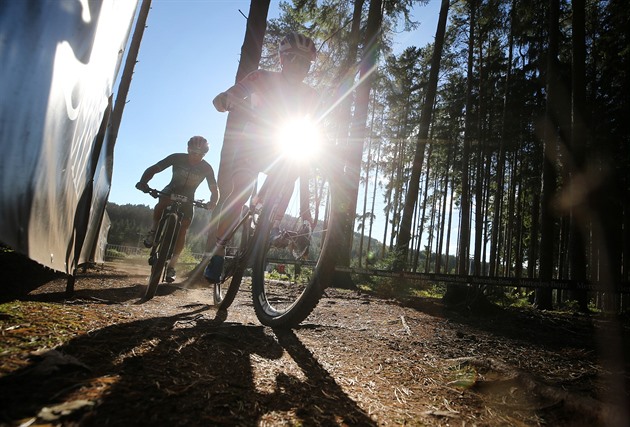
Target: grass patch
[{"x": 397, "y": 288}]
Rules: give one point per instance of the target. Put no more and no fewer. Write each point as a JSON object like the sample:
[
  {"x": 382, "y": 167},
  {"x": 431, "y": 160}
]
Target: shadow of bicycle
[{"x": 184, "y": 369}]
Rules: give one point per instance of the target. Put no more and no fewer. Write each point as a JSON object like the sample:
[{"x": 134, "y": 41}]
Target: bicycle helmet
[
  {"x": 298, "y": 44},
  {"x": 198, "y": 144}
]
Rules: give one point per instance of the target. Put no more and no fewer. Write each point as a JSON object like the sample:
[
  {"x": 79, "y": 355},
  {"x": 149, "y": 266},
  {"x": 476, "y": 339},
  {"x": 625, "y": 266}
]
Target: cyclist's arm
[
  {"x": 156, "y": 168},
  {"x": 235, "y": 96},
  {"x": 214, "y": 189}
]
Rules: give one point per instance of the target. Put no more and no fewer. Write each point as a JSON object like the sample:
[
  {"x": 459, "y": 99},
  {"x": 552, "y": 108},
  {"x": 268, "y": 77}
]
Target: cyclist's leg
[
  {"x": 243, "y": 180},
  {"x": 233, "y": 144},
  {"x": 231, "y": 213}
]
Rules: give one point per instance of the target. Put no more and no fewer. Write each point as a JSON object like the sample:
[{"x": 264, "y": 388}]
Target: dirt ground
[{"x": 101, "y": 359}]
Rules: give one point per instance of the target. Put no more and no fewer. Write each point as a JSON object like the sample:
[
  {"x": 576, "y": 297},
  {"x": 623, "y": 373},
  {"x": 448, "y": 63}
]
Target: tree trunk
[
  {"x": 438, "y": 255},
  {"x": 346, "y": 187},
  {"x": 368, "y": 165},
  {"x": 402, "y": 245},
  {"x": 378, "y": 164},
  {"x": 251, "y": 51},
  {"x": 513, "y": 228},
  {"x": 455, "y": 293},
  {"x": 579, "y": 222},
  {"x": 518, "y": 258},
  {"x": 550, "y": 142},
  {"x": 464, "y": 233},
  {"x": 498, "y": 198},
  {"x": 448, "y": 232},
  {"x": 424, "y": 211},
  {"x": 479, "y": 165}
]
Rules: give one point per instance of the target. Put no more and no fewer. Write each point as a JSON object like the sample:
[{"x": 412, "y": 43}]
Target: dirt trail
[{"x": 101, "y": 359}]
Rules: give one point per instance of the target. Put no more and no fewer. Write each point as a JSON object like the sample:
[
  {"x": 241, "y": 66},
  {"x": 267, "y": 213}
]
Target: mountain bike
[
  {"x": 282, "y": 251},
  {"x": 165, "y": 238}
]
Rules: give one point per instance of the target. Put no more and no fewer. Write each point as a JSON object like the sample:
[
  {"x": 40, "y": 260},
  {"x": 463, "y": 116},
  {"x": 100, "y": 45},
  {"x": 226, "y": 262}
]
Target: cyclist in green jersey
[{"x": 189, "y": 170}]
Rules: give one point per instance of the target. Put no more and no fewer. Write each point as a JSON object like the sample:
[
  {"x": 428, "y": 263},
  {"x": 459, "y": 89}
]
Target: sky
[{"x": 189, "y": 53}]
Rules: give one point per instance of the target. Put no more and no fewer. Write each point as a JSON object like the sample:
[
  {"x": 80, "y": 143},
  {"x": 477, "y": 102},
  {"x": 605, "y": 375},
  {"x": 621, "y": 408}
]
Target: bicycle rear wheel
[
  {"x": 166, "y": 240},
  {"x": 224, "y": 296},
  {"x": 285, "y": 282},
  {"x": 234, "y": 268}
]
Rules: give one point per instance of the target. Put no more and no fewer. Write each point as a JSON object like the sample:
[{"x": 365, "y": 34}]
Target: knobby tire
[
  {"x": 235, "y": 271},
  {"x": 225, "y": 300},
  {"x": 297, "y": 306},
  {"x": 165, "y": 243}
]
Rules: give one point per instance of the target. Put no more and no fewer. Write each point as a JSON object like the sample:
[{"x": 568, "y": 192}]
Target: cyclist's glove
[
  {"x": 143, "y": 186},
  {"x": 220, "y": 102}
]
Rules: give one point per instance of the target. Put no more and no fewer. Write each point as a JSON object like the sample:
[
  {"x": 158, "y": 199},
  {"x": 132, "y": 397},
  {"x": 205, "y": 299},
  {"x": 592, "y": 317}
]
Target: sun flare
[{"x": 299, "y": 139}]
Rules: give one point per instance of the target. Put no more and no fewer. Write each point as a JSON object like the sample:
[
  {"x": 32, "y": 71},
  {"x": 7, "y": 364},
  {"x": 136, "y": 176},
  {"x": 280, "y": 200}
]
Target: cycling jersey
[
  {"x": 186, "y": 177},
  {"x": 272, "y": 99}
]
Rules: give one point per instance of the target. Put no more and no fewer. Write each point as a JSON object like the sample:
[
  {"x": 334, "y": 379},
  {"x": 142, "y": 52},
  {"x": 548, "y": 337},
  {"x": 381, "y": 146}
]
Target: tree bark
[
  {"x": 579, "y": 223},
  {"x": 498, "y": 198},
  {"x": 464, "y": 233},
  {"x": 549, "y": 176},
  {"x": 251, "y": 51},
  {"x": 454, "y": 293},
  {"x": 402, "y": 245},
  {"x": 346, "y": 187}
]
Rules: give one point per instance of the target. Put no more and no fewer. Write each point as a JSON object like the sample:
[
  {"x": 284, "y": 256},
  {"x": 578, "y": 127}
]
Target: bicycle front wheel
[
  {"x": 285, "y": 280},
  {"x": 165, "y": 243}
]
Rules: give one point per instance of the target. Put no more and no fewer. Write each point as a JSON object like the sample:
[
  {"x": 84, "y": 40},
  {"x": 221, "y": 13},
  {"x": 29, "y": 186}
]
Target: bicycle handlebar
[{"x": 157, "y": 193}]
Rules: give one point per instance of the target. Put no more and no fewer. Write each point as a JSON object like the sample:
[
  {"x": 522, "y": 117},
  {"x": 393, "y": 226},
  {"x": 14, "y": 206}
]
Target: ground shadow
[
  {"x": 543, "y": 328},
  {"x": 22, "y": 275},
  {"x": 185, "y": 369},
  {"x": 319, "y": 388}
]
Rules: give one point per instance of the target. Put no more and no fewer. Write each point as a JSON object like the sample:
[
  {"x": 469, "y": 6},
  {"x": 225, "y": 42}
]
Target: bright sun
[{"x": 299, "y": 139}]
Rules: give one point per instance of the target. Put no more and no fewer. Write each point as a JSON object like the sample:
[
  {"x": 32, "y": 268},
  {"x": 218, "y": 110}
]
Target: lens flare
[{"x": 299, "y": 139}]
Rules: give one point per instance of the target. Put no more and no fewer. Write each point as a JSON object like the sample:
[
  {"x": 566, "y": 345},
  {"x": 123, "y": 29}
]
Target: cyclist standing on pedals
[
  {"x": 267, "y": 98},
  {"x": 189, "y": 170}
]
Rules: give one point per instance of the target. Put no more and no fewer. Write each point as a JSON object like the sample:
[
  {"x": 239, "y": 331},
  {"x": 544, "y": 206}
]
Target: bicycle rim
[
  {"x": 163, "y": 250},
  {"x": 233, "y": 270},
  {"x": 284, "y": 290}
]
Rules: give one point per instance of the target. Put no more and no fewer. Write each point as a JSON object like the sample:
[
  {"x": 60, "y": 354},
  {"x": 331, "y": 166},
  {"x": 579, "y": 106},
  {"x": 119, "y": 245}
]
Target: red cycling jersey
[{"x": 272, "y": 97}]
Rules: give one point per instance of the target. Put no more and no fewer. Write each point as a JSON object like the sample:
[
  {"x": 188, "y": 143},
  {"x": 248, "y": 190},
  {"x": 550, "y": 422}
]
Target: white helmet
[
  {"x": 198, "y": 144},
  {"x": 298, "y": 44}
]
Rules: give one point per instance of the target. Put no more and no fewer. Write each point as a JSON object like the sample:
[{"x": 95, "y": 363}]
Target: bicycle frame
[
  {"x": 166, "y": 236},
  {"x": 271, "y": 204}
]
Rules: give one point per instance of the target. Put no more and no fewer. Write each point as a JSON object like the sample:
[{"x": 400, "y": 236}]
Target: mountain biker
[
  {"x": 189, "y": 170},
  {"x": 266, "y": 98}
]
